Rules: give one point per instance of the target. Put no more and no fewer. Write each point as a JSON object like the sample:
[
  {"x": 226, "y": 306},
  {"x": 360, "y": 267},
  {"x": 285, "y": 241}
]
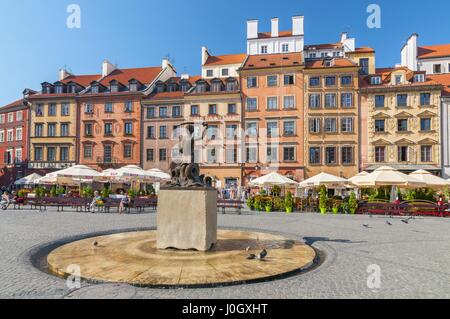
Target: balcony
[{"x": 107, "y": 160}]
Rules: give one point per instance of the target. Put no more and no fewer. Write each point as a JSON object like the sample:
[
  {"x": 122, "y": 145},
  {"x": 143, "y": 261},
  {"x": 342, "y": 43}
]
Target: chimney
[
  {"x": 107, "y": 68},
  {"x": 63, "y": 73},
  {"x": 205, "y": 55},
  {"x": 275, "y": 33},
  {"x": 252, "y": 29},
  {"x": 411, "y": 52},
  {"x": 297, "y": 25},
  {"x": 344, "y": 36},
  {"x": 165, "y": 63}
]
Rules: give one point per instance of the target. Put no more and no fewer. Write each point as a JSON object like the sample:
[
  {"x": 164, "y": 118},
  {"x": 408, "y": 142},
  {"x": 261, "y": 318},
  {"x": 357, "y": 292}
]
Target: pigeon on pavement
[
  {"x": 262, "y": 254},
  {"x": 389, "y": 223}
]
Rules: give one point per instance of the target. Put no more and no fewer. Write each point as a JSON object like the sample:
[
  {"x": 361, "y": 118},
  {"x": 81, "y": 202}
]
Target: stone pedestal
[{"x": 187, "y": 219}]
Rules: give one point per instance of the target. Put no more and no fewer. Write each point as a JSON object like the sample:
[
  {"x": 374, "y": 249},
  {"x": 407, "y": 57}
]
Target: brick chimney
[
  {"x": 275, "y": 31},
  {"x": 107, "y": 68}
]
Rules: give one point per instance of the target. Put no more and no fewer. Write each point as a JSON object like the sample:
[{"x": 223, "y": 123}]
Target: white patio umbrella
[
  {"x": 131, "y": 172},
  {"x": 273, "y": 179},
  {"x": 358, "y": 176},
  {"x": 78, "y": 172},
  {"x": 28, "y": 180},
  {"x": 324, "y": 179},
  {"x": 158, "y": 174},
  {"x": 49, "y": 179},
  {"x": 431, "y": 180}
]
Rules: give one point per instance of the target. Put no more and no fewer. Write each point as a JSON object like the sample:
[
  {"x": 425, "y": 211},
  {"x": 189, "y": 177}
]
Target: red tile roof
[
  {"x": 323, "y": 46},
  {"x": 386, "y": 73},
  {"x": 433, "y": 51},
  {"x": 83, "y": 80},
  {"x": 226, "y": 59},
  {"x": 281, "y": 34},
  {"x": 167, "y": 95},
  {"x": 12, "y": 105},
  {"x": 336, "y": 63},
  {"x": 273, "y": 61},
  {"x": 364, "y": 50},
  {"x": 443, "y": 79},
  {"x": 143, "y": 75}
]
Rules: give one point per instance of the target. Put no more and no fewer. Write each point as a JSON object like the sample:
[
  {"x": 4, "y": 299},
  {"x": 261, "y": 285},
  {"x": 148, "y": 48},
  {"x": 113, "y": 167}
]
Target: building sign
[{"x": 49, "y": 165}]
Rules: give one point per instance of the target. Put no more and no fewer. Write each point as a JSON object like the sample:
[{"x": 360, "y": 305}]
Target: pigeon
[
  {"x": 406, "y": 221},
  {"x": 389, "y": 223},
  {"x": 247, "y": 249},
  {"x": 366, "y": 226},
  {"x": 251, "y": 257},
  {"x": 95, "y": 243},
  {"x": 262, "y": 254}
]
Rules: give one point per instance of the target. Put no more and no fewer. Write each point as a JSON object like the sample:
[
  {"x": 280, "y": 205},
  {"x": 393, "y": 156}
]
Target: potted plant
[
  {"x": 352, "y": 203},
  {"x": 105, "y": 192},
  {"x": 335, "y": 208},
  {"x": 323, "y": 201},
  {"x": 268, "y": 206},
  {"x": 258, "y": 203},
  {"x": 289, "y": 203},
  {"x": 251, "y": 203},
  {"x": 278, "y": 204},
  {"x": 53, "y": 191}
]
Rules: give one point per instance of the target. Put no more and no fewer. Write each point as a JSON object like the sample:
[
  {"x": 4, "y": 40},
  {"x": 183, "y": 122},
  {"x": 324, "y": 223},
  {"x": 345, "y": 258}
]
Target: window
[
  {"x": 330, "y": 155},
  {"x": 289, "y": 128},
  {"x": 375, "y": 80},
  {"x": 380, "y": 125},
  {"x": 315, "y": 81},
  {"x": 88, "y": 108},
  {"x": 52, "y": 109},
  {"x": 437, "y": 68},
  {"x": 402, "y": 125},
  {"x": 39, "y": 109},
  {"x": 58, "y": 89},
  {"x": 289, "y": 154},
  {"x": 2, "y": 118},
  {"x": 88, "y": 129},
  {"x": 403, "y": 153},
  {"x": 272, "y": 129},
  {"x": 285, "y": 47},
  {"x": 312, "y": 55},
  {"x": 330, "y": 100},
  {"x": 95, "y": 89},
  {"x": 128, "y": 128},
  {"x": 252, "y": 82},
  {"x": 289, "y": 79},
  {"x": 194, "y": 110},
  {"x": 212, "y": 109},
  {"x": 272, "y": 80},
  {"x": 150, "y": 154},
  {"x": 251, "y": 154},
  {"x": 109, "y": 108},
  {"x": 162, "y": 154},
  {"x": 314, "y": 125},
  {"x": 128, "y": 151},
  {"x": 87, "y": 151},
  {"x": 252, "y": 129},
  {"x": 211, "y": 155},
  {"x": 289, "y": 102},
  {"x": 216, "y": 86},
  {"x": 114, "y": 88},
  {"x": 425, "y": 153},
  {"x": 10, "y": 135},
  {"x": 38, "y": 156},
  {"x": 346, "y": 100},
  {"x": 231, "y": 155},
  {"x": 108, "y": 129},
  {"x": 364, "y": 64},
  {"x": 347, "y": 125},
  {"x": 18, "y": 155},
  {"x": 379, "y": 100},
  {"x": 314, "y": 101},
  {"x": 398, "y": 79},
  {"x": 425, "y": 99},
  {"x": 402, "y": 100},
  {"x": 232, "y": 108},
  {"x": 64, "y": 129},
  {"x": 232, "y": 85},
  {"x": 252, "y": 104},
  {"x": 19, "y": 134},
  {"x": 51, "y": 154},
  {"x": 212, "y": 132},
  {"x": 419, "y": 78},
  {"x": 107, "y": 154},
  {"x": 64, "y": 154},
  {"x": 72, "y": 89},
  {"x": 163, "y": 132},
  {"x": 10, "y": 117},
  {"x": 264, "y": 49},
  {"x": 19, "y": 116},
  {"x": 380, "y": 154},
  {"x": 176, "y": 111},
  {"x": 347, "y": 155},
  {"x": 330, "y": 125},
  {"x": 330, "y": 81},
  {"x": 128, "y": 107},
  {"x": 51, "y": 130},
  {"x": 163, "y": 112},
  {"x": 65, "y": 109},
  {"x": 272, "y": 154},
  {"x": 201, "y": 87},
  {"x": 38, "y": 130},
  {"x": 346, "y": 80},
  {"x": 185, "y": 87},
  {"x": 2, "y": 136},
  {"x": 209, "y": 73},
  {"x": 425, "y": 124},
  {"x": 150, "y": 132},
  {"x": 314, "y": 156},
  {"x": 231, "y": 130},
  {"x": 272, "y": 103},
  {"x": 225, "y": 72}
]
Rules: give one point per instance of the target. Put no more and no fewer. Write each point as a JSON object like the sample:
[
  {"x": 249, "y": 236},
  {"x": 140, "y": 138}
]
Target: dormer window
[
  {"x": 94, "y": 89},
  {"x": 59, "y": 89},
  {"x": 46, "y": 88},
  {"x": 134, "y": 86},
  {"x": 72, "y": 88},
  {"x": 172, "y": 87},
  {"x": 398, "y": 79},
  {"x": 160, "y": 88},
  {"x": 216, "y": 86},
  {"x": 328, "y": 63},
  {"x": 231, "y": 85},
  {"x": 375, "y": 80},
  {"x": 201, "y": 87},
  {"x": 185, "y": 87},
  {"x": 419, "y": 78},
  {"x": 114, "y": 87},
  {"x": 312, "y": 55}
]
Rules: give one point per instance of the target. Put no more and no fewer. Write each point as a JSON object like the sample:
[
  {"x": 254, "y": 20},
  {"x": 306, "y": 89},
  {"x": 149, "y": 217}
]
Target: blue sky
[{"x": 35, "y": 42}]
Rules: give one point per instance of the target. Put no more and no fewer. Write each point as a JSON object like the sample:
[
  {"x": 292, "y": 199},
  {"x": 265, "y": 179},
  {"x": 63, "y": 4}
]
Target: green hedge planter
[
  {"x": 323, "y": 211},
  {"x": 335, "y": 210},
  {"x": 289, "y": 210}
]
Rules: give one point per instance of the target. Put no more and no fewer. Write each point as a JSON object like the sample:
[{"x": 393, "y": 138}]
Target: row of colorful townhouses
[{"x": 283, "y": 106}]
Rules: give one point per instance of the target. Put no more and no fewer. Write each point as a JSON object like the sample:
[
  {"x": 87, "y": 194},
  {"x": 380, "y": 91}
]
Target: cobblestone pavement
[{"x": 414, "y": 258}]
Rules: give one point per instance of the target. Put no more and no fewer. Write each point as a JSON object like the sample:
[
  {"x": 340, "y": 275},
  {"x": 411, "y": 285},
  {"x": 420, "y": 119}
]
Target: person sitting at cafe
[
  {"x": 124, "y": 203},
  {"x": 96, "y": 202}
]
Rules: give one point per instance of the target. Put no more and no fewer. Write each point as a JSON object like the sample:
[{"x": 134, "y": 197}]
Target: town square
[{"x": 298, "y": 157}]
